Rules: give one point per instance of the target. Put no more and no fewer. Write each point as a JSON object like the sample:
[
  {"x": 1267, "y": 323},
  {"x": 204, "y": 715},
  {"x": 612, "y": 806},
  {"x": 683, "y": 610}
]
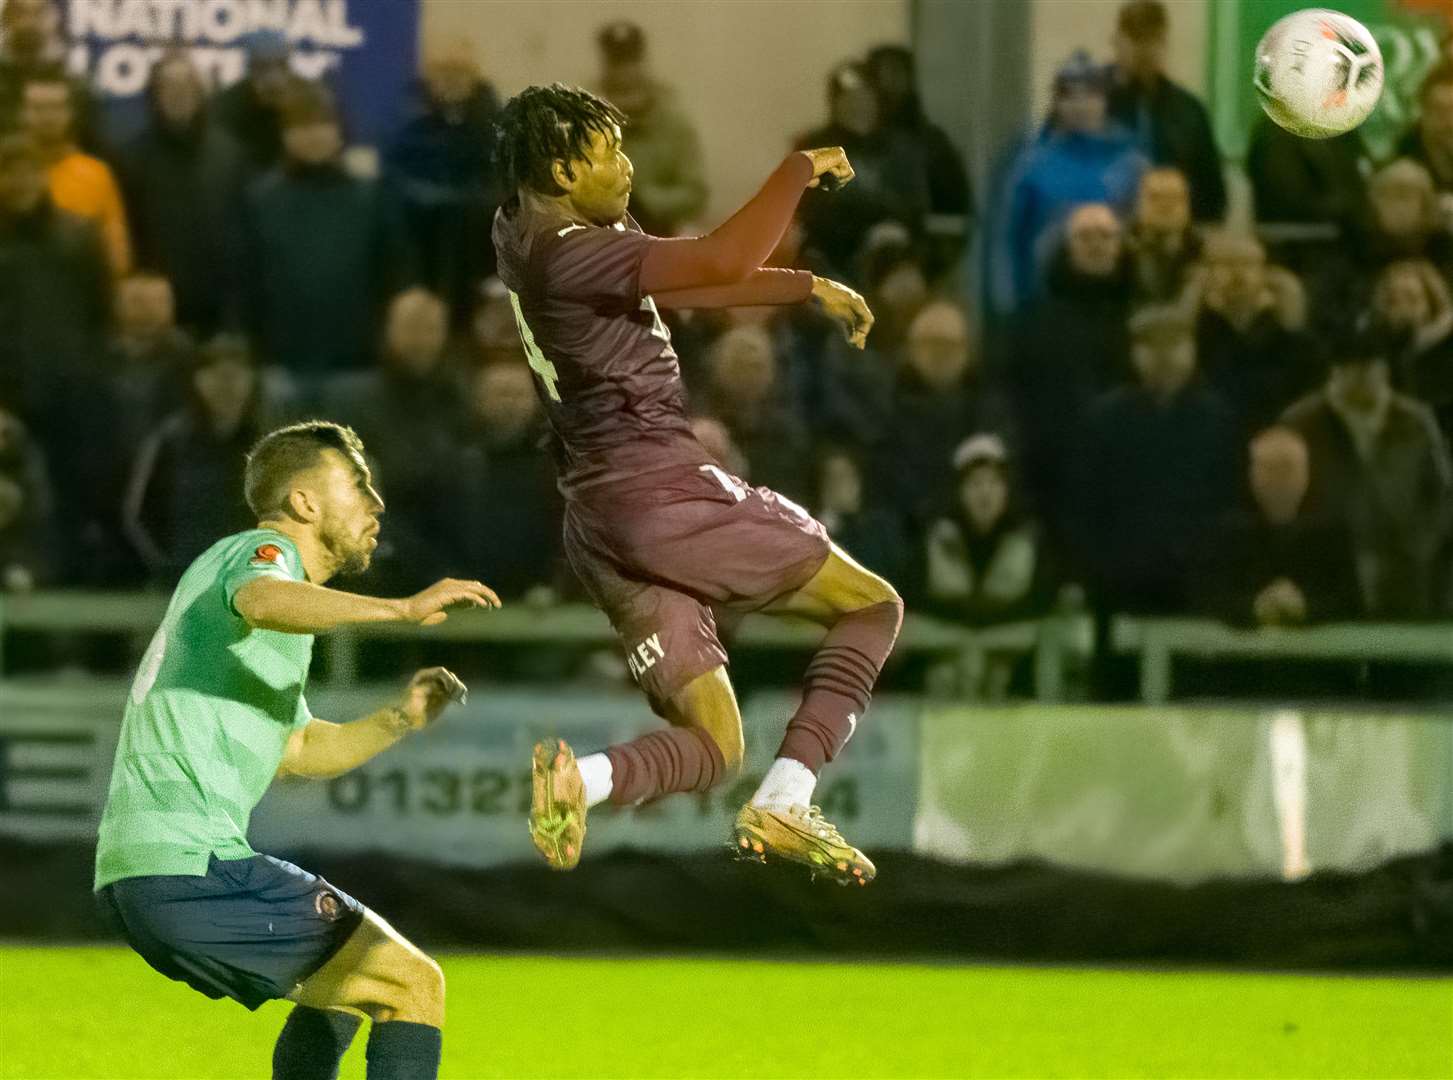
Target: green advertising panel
[
  {"x": 1183, "y": 794},
  {"x": 1409, "y": 33}
]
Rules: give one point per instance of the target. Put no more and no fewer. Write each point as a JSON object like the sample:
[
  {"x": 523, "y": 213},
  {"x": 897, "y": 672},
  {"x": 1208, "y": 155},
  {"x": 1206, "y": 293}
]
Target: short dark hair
[
  {"x": 546, "y": 124},
  {"x": 1141, "y": 19},
  {"x": 280, "y": 455},
  {"x": 621, "y": 42}
]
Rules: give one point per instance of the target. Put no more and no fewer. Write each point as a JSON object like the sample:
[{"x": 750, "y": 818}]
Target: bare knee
[
  {"x": 873, "y": 591},
  {"x": 429, "y": 992},
  {"x": 418, "y": 995},
  {"x": 733, "y": 747},
  {"x": 709, "y": 704}
]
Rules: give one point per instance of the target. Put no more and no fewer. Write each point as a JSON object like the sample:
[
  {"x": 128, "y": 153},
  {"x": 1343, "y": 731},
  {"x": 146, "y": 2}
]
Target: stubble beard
[{"x": 350, "y": 555}]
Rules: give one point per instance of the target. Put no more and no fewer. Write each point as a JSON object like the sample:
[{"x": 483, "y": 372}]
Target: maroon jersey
[{"x": 603, "y": 361}]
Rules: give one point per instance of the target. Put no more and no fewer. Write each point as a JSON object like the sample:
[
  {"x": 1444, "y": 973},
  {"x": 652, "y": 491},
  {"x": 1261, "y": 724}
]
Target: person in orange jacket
[{"x": 79, "y": 183}]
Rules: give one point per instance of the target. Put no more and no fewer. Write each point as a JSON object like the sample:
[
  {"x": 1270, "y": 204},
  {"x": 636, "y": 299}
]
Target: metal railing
[
  {"x": 1158, "y": 642},
  {"x": 569, "y": 624},
  {"x": 1055, "y": 643}
]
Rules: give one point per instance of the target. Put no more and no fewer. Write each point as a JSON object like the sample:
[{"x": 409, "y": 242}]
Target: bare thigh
[
  {"x": 840, "y": 586},
  {"x": 380, "y": 973},
  {"x": 709, "y": 702}
]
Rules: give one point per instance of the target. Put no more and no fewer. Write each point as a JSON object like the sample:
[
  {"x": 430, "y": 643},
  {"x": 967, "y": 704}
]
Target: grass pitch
[{"x": 100, "y": 1012}]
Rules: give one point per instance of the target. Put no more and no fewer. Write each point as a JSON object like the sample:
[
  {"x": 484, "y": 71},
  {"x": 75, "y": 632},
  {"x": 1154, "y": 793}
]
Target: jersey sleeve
[
  {"x": 594, "y": 265},
  {"x": 264, "y": 559}
]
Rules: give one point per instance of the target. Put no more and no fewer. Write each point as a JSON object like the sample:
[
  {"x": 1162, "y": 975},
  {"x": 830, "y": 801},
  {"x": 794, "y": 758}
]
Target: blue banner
[{"x": 367, "y": 50}]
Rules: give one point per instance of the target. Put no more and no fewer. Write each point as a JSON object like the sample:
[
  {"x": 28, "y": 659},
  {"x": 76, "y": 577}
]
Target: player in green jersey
[{"x": 215, "y": 712}]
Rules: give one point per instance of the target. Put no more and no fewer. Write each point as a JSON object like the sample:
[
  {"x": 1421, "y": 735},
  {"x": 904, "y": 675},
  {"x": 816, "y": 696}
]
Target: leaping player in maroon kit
[{"x": 660, "y": 536}]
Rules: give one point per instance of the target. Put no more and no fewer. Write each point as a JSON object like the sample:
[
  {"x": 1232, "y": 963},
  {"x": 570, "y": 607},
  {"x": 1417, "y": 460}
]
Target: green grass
[{"x": 100, "y": 1012}]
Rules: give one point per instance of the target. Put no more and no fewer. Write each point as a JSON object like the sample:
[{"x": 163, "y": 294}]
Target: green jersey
[{"x": 208, "y": 719}]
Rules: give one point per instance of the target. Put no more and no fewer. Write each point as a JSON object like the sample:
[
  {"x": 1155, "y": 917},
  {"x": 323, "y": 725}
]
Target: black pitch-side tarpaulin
[{"x": 1399, "y": 916}]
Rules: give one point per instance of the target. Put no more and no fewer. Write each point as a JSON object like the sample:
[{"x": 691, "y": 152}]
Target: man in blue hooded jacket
[{"x": 1080, "y": 157}]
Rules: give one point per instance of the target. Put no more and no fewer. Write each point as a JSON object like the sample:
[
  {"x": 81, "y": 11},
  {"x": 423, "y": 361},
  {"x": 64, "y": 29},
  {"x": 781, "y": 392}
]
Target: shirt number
[
  {"x": 734, "y": 489},
  {"x": 658, "y": 328},
  {"x": 538, "y": 364}
]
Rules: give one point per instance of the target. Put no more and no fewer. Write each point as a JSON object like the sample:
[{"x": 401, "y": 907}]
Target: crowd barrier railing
[
  {"x": 138, "y": 613},
  {"x": 1056, "y": 644},
  {"x": 1159, "y": 641}
]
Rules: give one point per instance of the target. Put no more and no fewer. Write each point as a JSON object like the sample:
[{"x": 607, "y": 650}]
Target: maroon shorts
[{"x": 662, "y": 553}]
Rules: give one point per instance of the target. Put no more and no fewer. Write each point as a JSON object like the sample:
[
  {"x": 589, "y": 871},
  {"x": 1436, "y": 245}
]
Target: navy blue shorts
[{"x": 250, "y": 929}]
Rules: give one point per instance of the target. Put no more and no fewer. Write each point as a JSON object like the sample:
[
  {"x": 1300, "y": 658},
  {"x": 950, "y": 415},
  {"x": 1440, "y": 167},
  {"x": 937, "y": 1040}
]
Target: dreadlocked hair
[{"x": 546, "y": 124}]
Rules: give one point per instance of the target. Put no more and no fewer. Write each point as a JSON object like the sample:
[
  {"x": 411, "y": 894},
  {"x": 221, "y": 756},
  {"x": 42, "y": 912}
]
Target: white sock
[
  {"x": 595, "y": 770},
  {"x": 787, "y": 783}
]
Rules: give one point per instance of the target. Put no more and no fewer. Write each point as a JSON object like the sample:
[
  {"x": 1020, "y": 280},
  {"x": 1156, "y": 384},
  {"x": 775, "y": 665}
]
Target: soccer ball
[{"x": 1318, "y": 73}]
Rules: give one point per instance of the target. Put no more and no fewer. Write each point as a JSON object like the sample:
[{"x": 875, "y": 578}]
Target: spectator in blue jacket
[{"x": 1081, "y": 157}]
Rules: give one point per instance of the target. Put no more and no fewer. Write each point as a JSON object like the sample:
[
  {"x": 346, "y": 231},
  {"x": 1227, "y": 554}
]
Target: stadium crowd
[{"x": 1148, "y": 412}]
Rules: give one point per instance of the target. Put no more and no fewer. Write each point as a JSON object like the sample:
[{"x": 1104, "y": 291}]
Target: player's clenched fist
[
  {"x": 428, "y": 608},
  {"x": 844, "y": 306},
  {"x": 429, "y": 692},
  {"x": 830, "y": 167}
]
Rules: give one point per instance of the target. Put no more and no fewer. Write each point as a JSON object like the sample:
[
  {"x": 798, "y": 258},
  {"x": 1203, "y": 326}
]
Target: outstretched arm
[
  {"x": 300, "y": 607},
  {"x": 769, "y": 287},
  {"x": 763, "y": 287},
  {"x": 738, "y": 246},
  {"x": 321, "y": 750}
]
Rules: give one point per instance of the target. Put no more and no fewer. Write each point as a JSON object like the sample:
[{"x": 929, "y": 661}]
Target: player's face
[
  {"x": 600, "y": 189},
  {"x": 348, "y": 527}
]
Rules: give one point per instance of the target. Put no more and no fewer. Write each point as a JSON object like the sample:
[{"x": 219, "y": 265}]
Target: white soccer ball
[{"x": 1318, "y": 73}]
